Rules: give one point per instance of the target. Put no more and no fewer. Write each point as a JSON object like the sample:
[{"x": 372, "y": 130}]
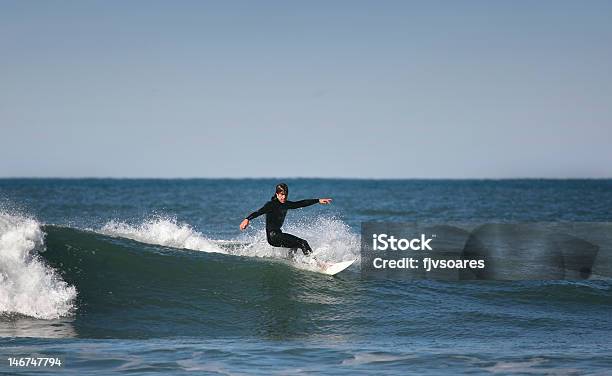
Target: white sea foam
[
  {"x": 162, "y": 231},
  {"x": 27, "y": 285},
  {"x": 531, "y": 366},
  {"x": 369, "y": 358}
]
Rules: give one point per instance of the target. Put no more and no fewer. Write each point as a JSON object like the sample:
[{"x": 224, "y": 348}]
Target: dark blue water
[{"x": 118, "y": 275}]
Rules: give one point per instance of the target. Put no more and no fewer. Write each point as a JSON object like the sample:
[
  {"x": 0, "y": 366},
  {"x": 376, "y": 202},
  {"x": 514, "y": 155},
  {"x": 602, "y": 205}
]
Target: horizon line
[{"x": 291, "y": 178}]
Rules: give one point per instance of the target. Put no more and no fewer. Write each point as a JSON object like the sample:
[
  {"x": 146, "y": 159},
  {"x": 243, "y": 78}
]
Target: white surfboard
[{"x": 335, "y": 268}]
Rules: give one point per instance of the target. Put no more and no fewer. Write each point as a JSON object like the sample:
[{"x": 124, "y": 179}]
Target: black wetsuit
[{"x": 275, "y": 216}]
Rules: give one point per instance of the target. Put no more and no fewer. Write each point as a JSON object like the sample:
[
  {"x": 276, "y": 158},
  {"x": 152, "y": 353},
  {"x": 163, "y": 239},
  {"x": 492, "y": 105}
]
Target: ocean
[{"x": 144, "y": 276}]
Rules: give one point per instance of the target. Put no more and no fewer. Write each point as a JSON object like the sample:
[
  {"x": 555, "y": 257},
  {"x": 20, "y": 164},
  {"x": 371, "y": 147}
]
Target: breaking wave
[{"x": 28, "y": 286}]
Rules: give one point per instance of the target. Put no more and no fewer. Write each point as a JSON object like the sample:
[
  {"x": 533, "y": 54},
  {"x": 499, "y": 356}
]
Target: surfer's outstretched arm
[
  {"x": 304, "y": 203},
  {"x": 263, "y": 210}
]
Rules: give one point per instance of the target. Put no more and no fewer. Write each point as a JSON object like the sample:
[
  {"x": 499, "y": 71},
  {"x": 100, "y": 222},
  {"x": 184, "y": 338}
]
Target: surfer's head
[{"x": 282, "y": 191}]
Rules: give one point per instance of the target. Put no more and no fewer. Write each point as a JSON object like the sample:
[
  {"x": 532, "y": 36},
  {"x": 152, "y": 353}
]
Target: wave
[
  {"x": 28, "y": 286},
  {"x": 130, "y": 289},
  {"x": 162, "y": 231},
  {"x": 43, "y": 267},
  {"x": 331, "y": 239}
]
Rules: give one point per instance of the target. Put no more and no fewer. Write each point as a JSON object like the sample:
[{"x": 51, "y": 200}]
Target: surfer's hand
[
  {"x": 244, "y": 224},
  {"x": 325, "y": 201}
]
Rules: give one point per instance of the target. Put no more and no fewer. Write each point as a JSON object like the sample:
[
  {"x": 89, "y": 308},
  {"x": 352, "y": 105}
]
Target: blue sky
[{"x": 465, "y": 89}]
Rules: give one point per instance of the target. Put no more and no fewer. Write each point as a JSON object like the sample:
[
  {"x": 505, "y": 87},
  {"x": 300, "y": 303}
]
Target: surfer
[{"x": 275, "y": 211}]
